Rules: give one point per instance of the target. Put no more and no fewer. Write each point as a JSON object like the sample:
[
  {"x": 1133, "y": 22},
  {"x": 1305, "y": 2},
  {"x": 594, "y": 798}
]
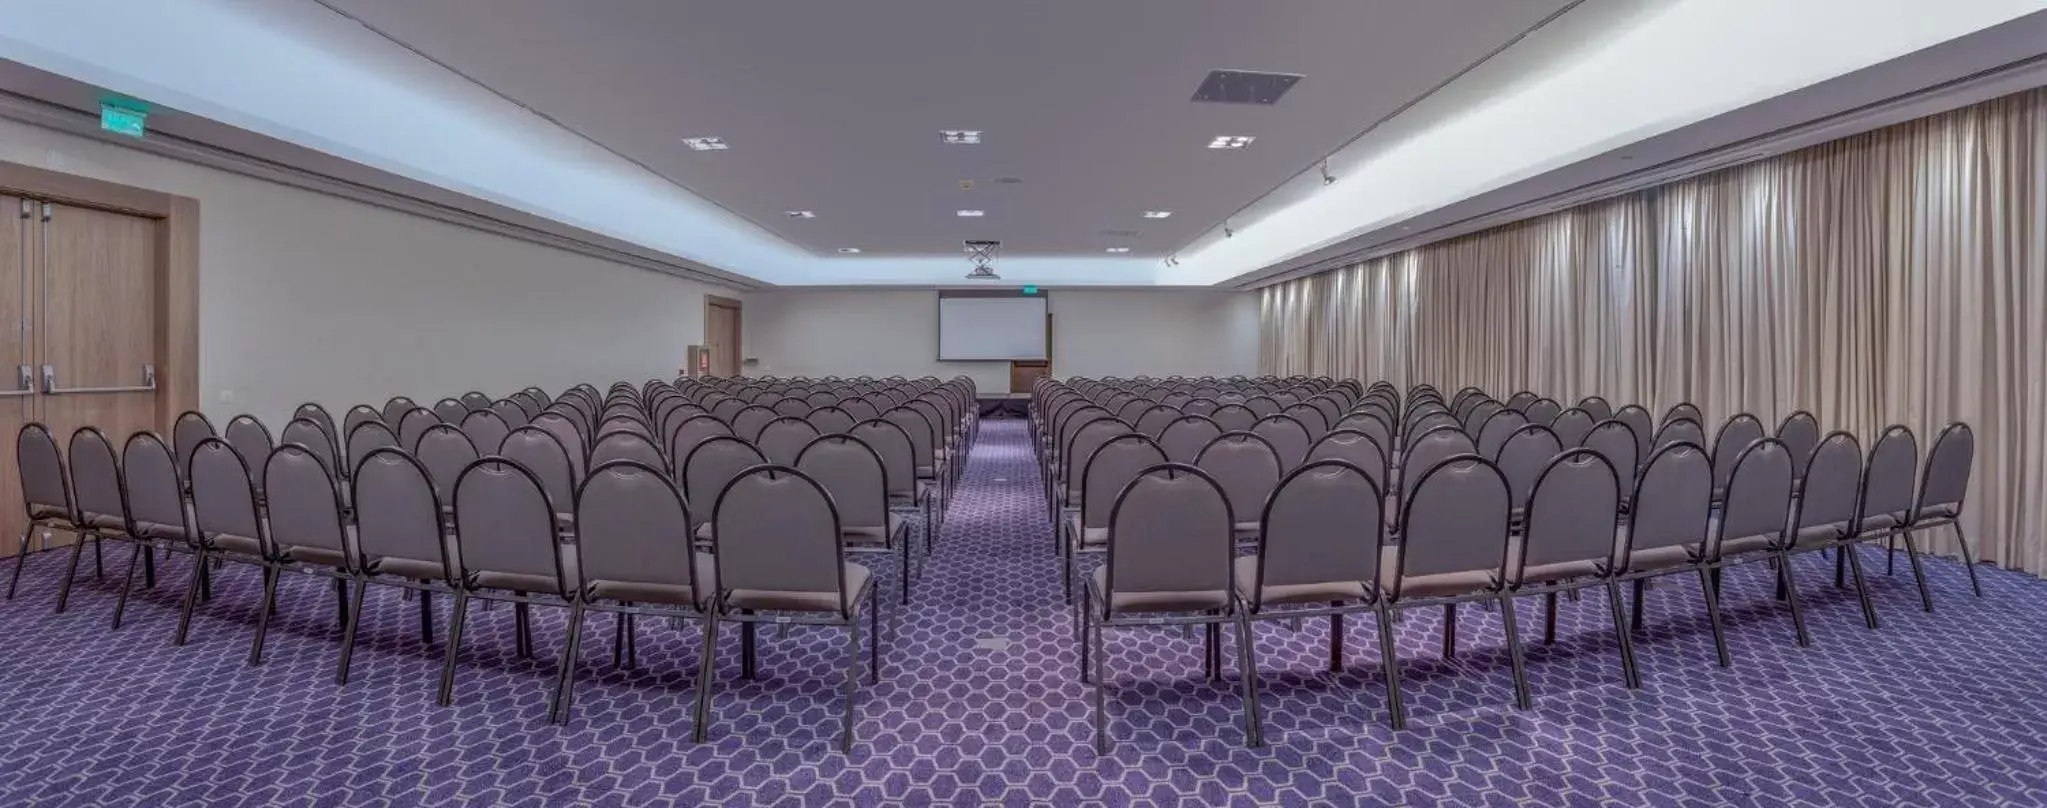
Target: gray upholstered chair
[
  {"x": 356, "y": 416},
  {"x": 1568, "y": 541},
  {"x": 1454, "y": 549},
  {"x": 1321, "y": 538},
  {"x": 689, "y": 432},
  {"x": 1103, "y": 474},
  {"x": 1289, "y": 437},
  {"x": 1615, "y": 441},
  {"x": 907, "y": 496},
  {"x": 1644, "y": 427},
  {"x": 153, "y": 497},
  {"x": 1668, "y": 525},
  {"x": 368, "y": 437},
  {"x": 1753, "y": 519},
  {"x": 1493, "y": 432},
  {"x": 514, "y": 415},
  {"x": 450, "y": 410},
  {"x": 1888, "y": 494},
  {"x": 627, "y": 446},
  {"x": 45, "y": 493},
  {"x": 855, "y": 476},
  {"x": 476, "y": 401},
  {"x": 306, "y": 522},
  {"x": 1523, "y": 458},
  {"x": 1824, "y": 513},
  {"x": 101, "y": 511},
  {"x": 747, "y": 423},
  {"x": 1079, "y": 445},
  {"x": 1944, "y": 488},
  {"x": 251, "y": 439},
  {"x": 444, "y": 451},
  {"x": 1571, "y": 426},
  {"x": 486, "y": 430},
  {"x": 635, "y": 556},
  {"x": 830, "y": 420},
  {"x": 706, "y": 470},
  {"x": 1234, "y": 418},
  {"x": 1425, "y": 451},
  {"x": 1679, "y": 431},
  {"x": 509, "y": 552},
  {"x": 567, "y": 432},
  {"x": 1543, "y": 411},
  {"x": 1800, "y": 434},
  {"x": 1728, "y": 444},
  {"x": 780, "y": 556},
  {"x": 1170, "y": 562},
  {"x": 224, "y": 513},
  {"x": 1186, "y": 436},
  {"x": 782, "y": 439},
  {"x": 319, "y": 415},
  {"x": 538, "y": 452},
  {"x": 1248, "y": 468},
  {"x": 395, "y": 408},
  {"x": 1596, "y": 407},
  {"x": 190, "y": 429},
  {"x": 400, "y": 538},
  {"x": 1683, "y": 410}
]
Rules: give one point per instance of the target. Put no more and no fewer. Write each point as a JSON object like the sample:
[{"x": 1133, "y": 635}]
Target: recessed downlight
[
  {"x": 1231, "y": 141},
  {"x": 706, "y": 143},
  {"x": 800, "y": 214},
  {"x": 972, "y": 214},
  {"x": 849, "y": 250},
  {"x": 960, "y": 137},
  {"x": 1157, "y": 214},
  {"x": 1118, "y": 250}
]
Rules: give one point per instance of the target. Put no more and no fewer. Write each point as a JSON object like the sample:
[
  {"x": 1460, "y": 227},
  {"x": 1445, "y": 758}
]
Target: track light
[{"x": 1327, "y": 178}]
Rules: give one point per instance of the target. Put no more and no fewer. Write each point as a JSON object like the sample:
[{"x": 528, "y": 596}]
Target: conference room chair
[
  {"x": 413, "y": 423},
  {"x": 1543, "y": 411},
  {"x": 747, "y": 423},
  {"x": 1519, "y": 401},
  {"x": 1597, "y": 407},
  {"x": 1184, "y": 438},
  {"x": 319, "y": 415},
  {"x": 564, "y": 420},
  {"x": 153, "y": 498},
  {"x": 227, "y": 528},
  {"x": 632, "y": 557},
  {"x": 1262, "y": 405},
  {"x": 853, "y": 473},
  {"x": 1800, "y": 434},
  {"x": 1644, "y": 427},
  {"x": 450, "y": 410},
  {"x": 513, "y": 414},
  {"x": 1084, "y": 530},
  {"x": 1321, "y": 536},
  {"x": 193, "y": 427},
  {"x": 394, "y": 407},
  {"x": 925, "y": 441},
  {"x": 1428, "y": 449},
  {"x": 401, "y": 540},
  {"x": 486, "y": 430},
  {"x": 1234, "y": 418},
  {"x": 1201, "y": 405},
  {"x": 861, "y": 409},
  {"x": 627, "y": 446},
  {"x": 306, "y": 432},
  {"x": 1523, "y": 458},
  {"x": 1309, "y": 417},
  {"x": 539, "y": 454},
  {"x": 629, "y": 424},
  {"x": 708, "y": 467},
  {"x": 1474, "y": 419},
  {"x": 1668, "y": 527},
  {"x": 1153, "y": 420},
  {"x": 1734, "y": 437},
  {"x": 505, "y": 537},
  {"x": 1130, "y": 408},
  {"x": 529, "y": 403},
  {"x": 946, "y": 444},
  {"x": 1615, "y": 441},
  {"x": 688, "y": 433},
  {"x": 1453, "y": 550},
  {"x": 1170, "y": 560},
  {"x": 665, "y": 407},
  {"x": 1682, "y": 430},
  {"x": 1943, "y": 489},
  {"x": 1824, "y": 511},
  {"x": 1079, "y": 448},
  {"x": 779, "y": 553},
  {"x": 566, "y": 432},
  {"x": 474, "y": 401},
  {"x": 97, "y": 508},
  {"x": 1288, "y": 437},
  {"x": 367, "y": 437},
  {"x": 907, "y": 496},
  {"x": 251, "y": 439},
  {"x": 1571, "y": 426},
  {"x": 1568, "y": 543},
  {"x": 821, "y": 398},
  {"x": 1356, "y": 448},
  {"x": 306, "y": 528},
  {"x": 1888, "y": 495},
  {"x": 1372, "y": 422},
  {"x": 1248, "y": 468},
  {"x": 1331, "y": 407},
  {"x": 1753, "y": 520},
  {"x": 830, "y": 420},
  {"x": 626, "y": 408},
  {"x": 1683, "y": 410}
]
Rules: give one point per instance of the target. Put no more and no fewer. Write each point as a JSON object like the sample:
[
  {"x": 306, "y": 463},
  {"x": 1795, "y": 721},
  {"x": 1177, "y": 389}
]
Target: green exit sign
[
  {"x": 1030, "y": 290},
  {"x": 122, "y": 120}
]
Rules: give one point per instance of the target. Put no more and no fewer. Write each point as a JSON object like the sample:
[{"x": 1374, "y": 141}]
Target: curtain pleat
[{"x": 1893, "y": 277}]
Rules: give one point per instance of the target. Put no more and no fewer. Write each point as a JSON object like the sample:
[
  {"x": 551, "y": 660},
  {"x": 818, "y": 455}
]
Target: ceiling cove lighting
[
  {"x": 1231, "y": 141},
  {"x": 1118, "y": 249},
  {"x": 849, "y": 250},
  {"x": 706, "y": 143},
  {"x": 972, "y": 214},
  {"x": 800, "y": 214},
  {"x": 960, "y": 137},
  {"x": 1157, "y": 214}
]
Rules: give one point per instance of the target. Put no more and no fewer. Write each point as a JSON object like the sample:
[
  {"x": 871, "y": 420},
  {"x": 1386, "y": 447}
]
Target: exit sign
[
  {"x": 123, "y": 120},
  {"x": 1030, "y": 290}
]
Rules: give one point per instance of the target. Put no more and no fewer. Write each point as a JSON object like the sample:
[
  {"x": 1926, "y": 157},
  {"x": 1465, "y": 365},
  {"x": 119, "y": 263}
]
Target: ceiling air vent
[
  {"x": 1245, "y": 87},
  {"x": 1120, "y": 233}
]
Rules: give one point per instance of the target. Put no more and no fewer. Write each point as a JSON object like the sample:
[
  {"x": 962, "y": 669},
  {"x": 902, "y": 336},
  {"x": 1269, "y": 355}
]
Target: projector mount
[{"x": 982, "y": 253}]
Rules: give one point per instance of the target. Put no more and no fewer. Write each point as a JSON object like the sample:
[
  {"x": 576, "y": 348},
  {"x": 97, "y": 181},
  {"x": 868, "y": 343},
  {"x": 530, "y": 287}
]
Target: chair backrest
[
  {"x": 1246, "y": 466},
  {"x": 1111, "y": 466},
  {"x": 626, "y": 446},
  {"x": 1186, "y": 436},
  {"x": 319, "y": 415},
  {"x": 1289, "y": 437},
  {"x": 1324, "y": 523},
  {"x": 1683, "y": 410},
  {"x": 852, "y": 472},
  {"x": 1614, "y": 441},
  {"x": 1170, "y": 530},
  {"x": 96, "y": 480},
  {"x": 1234, "y": 417},
  {"x": 1082, "y": 445},
  {"x": 1455, "y": 519},
  {"x": 1596, "y": 407},
  {"x": 923, "y": 435},
  {"x": 190, "y": 429},
  {"x": 537, "y": 451},
  {"x": 1431, "y": 448},
  {"x": 397, "y": 509},
  {"x": 306, "y": 432},
  {"x": 1734, "y": 436},
  {"x": 712, "y": 464},
  {"x": 443, "y": 453},
  {"x": 1329, "y": 407},
  {"x": 1832, "y": 484},
  {"x": 303, "y": 500},
  {"x": 633, "y": 527},
  {"x": 1523, "y": 458},
  {"x": 1946, "y": 480},
  {"x": 1573, "y": 512},
  {"x": 830, "y": 420},
  {"x": 505, "y": 522},
  {"x": 358, "y": 415},
  {"x": 632, "y": 424},
  {"x": 566, "y": 432},
  {"x": 395, "y": 408},
  {"x": 223, "y": 495},
  {"x": 1355, "y": 448},
  {"x": 251, "y": 438},
  {"x": 476, "y": 400},
  {"x": 776, "y": 529},
  {"x": 413, "y": 423},
  {"x": 747, "y": 423},
  {"x": 1263, "y": 405},
  {"x": 1887, "y": 484},
  {"x": 1571, "y": 426},
  {"x": 1673, "y": 499},
  {"x": 1153, "y": 420},
  {"x": 690, "y": 432},
  {"x": 1202, "y": 406},
  {"x": 1644, "y": 426},
  {"x": 507, "y": 409},
  {"x": 486, "y": 430},
  {"x": 1800, "y": 434},
  {"x": 782, "y": 439},
  {"x": 1758, "y": 494},
  {"x": 898, "y": 455},
  {"x": 153, "y": 488},
  {"x": 368, "y": 437},
  {"x": 861, "y": 409},
  {"x": 1543, "y": 411},
  {"x": 1475, "y": 415},
  {"x": 1680, "y": 431},
  {"x": 450, "y": 410},
  {"x": 1493, "y": 433}
]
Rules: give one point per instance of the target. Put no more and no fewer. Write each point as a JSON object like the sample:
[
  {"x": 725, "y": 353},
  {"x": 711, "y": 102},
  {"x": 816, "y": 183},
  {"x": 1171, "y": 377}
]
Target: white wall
[
  {"x": 304, "y": 296},
  {"x": 1094, "y": 333}
]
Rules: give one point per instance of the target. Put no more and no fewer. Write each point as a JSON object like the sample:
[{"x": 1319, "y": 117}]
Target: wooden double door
[{"x": 79, "y": 329}]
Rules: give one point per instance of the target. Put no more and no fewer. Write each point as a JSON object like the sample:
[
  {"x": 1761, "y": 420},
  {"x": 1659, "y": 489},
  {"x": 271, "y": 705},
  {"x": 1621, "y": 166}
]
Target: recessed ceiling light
[
  {"x": 849, "y": 250},
  {"x": 705, "y": 143},
  {"x": 1157, "y": 214},
  {"x": 1007, "y": 180},
  {"x": 1119, "y": 249},
  {"x": 960, "y": 137},
  {"x": 800, "y": 214},
  {"x": 1231, "y": 141},
  {"x": 972, "y": 214}
]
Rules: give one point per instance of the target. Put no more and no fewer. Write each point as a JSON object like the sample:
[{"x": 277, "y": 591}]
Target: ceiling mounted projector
[{"x": 982, "y": 253}]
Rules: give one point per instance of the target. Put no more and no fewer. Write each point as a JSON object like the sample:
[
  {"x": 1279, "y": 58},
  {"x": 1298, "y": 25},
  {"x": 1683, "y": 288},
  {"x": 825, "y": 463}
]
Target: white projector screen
[{"x": 991, "y": 328}]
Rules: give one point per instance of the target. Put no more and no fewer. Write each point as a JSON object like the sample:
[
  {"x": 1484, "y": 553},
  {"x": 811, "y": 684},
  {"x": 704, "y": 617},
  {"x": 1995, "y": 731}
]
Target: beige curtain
[{"x": 1898, "y": 276}]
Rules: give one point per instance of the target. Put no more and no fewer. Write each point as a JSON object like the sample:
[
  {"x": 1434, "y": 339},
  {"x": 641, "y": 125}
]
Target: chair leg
[
  {"x": 20, "y": 560},
  {"x": 1854, "y": 555},
  {"x": 1636, "y": 620},
  {"x": 1211, "y": 637},
  {"x": 1080, "y": 635},
  {"x": 149, "y": 568},
  {"x": 348, "y": 631},
  {"x": 522, "y": 641},
  {"x": 1523, "y": 699},
  {"x": 874, "y": 643},
  {"x": 1841, "y": 565},
  {"x": 341, "y": 602},
  {"x": 632, "y": 642},
  {"x": 1791, "y": 598},
  {"x": 455, "y": 620},
  {"x": 565, "y": 682},
  {"x": 1247, "y": 667},
  {"x": 71, "y": 569},
  {"x": 99, "y": 564},
  {"x": 127, "y": 583},
  {"x": 852, "y": 682},
  {"x": 206, "y": 580},
  {"x": 746, "y": 648},
  {"x": 1968, "y": 556},
  {"x": 1918, "y": 574},
  {"x": 263, "y": 611},
  {"x": 1713, "y": 618},
  {"x": 1449, "y": 631},
  {"x": 1629, "y": 673},
  {"x": 706, "y": 658},
  {"x": 618, "y": 640},
  {"x": 1890, "y": 554},
  {"x": 426, "y": 617},
  {"x": 191, "y": 595},
  {"x": 1549, "y": 618},
  {"x": 1101, "y": 685},
  {"x": 905, "y": 584},
  {"x": 1389, "y": 664},
  {"x": 1336, "y": 643}
]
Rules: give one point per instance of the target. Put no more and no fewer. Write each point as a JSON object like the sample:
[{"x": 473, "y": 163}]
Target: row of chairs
[{"x": 1329, "y": 541}]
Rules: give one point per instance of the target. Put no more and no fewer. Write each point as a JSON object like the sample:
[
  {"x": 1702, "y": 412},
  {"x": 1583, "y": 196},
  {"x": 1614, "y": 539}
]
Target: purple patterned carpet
[{"x": 979, "y": 703}]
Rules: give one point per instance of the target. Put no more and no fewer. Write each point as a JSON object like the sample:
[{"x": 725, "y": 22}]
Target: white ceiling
[{"x": 836, "y": 107}]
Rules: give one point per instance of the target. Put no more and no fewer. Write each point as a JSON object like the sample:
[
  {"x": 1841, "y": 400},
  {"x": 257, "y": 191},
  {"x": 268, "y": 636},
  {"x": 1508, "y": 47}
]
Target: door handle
[
  {"x": 50, "y": 387},
  {"x": 25, "y": 385}
]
